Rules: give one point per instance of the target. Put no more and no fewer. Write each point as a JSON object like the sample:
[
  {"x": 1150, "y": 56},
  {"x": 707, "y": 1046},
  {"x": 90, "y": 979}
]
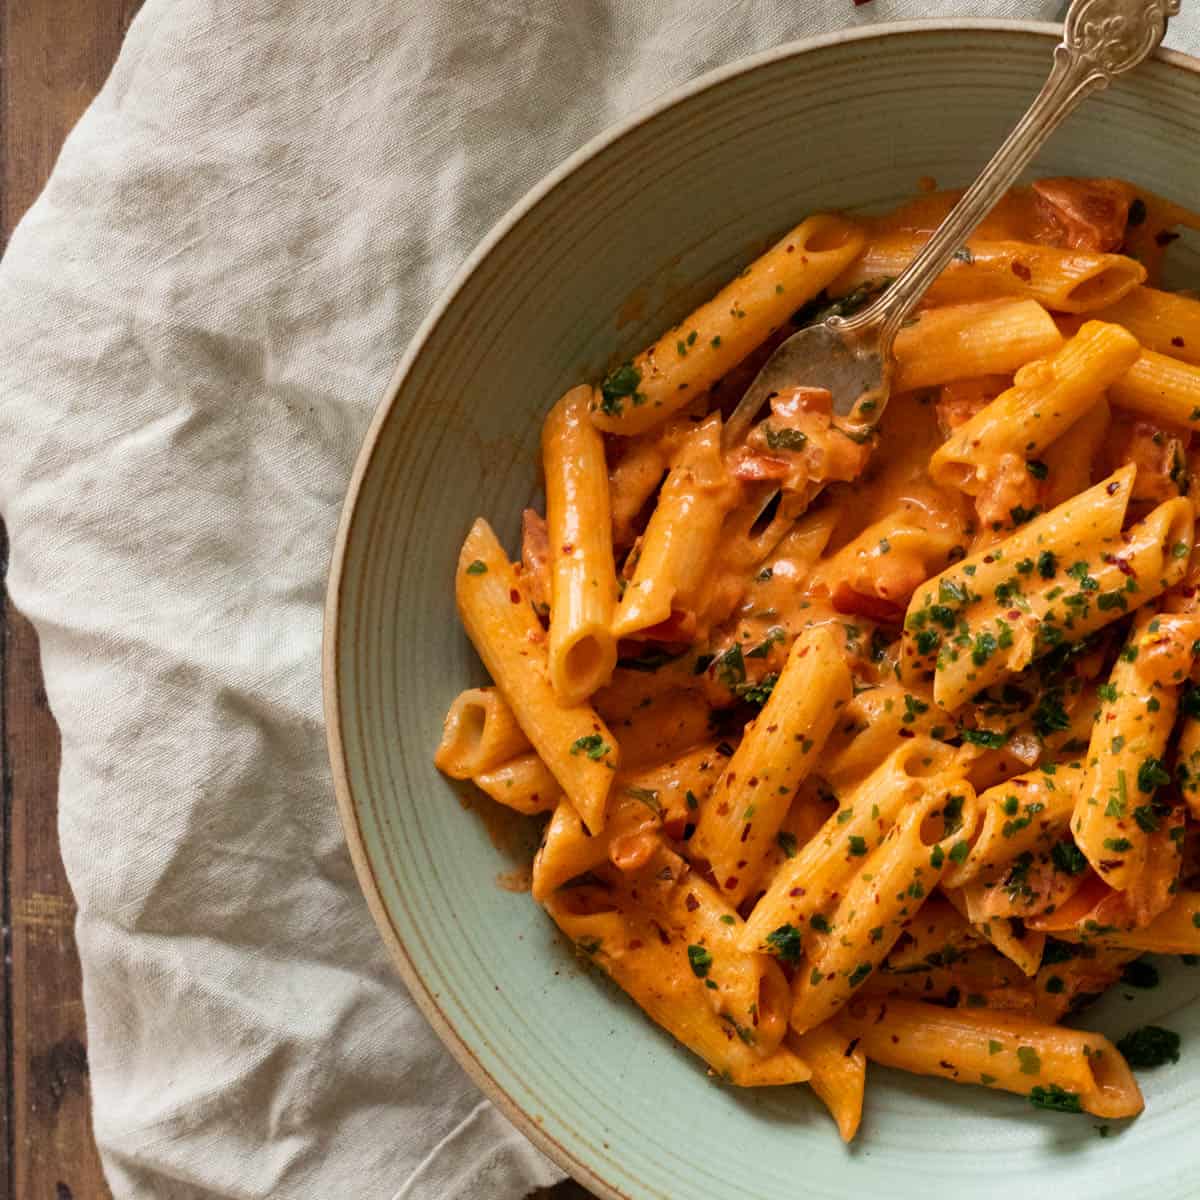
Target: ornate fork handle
[
  {"x": 1102, "y": 39},
  {"x": 1113, "y": 36}
]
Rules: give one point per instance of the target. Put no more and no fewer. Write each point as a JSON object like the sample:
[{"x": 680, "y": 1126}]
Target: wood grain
[{"x": 54, "y": 56}]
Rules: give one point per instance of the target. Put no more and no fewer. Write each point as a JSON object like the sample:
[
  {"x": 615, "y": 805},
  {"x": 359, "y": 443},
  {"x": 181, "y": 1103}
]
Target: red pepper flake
[
  {"x": 796, "y": 891},
  {"x": 636, "y": 944},
  {"x": 1164, "y": 237},
  {"x": 1178, "y": 341},
  {"x": 731, "y": 883},
  {"x": 745, "y": 832},
  {"x": 1123, "y": 565},
  {"x": 515, "y": 596},
  {"x": 1021, "y": 271},
  {"x": 691, "y": 903},
  {"x": 1113, "y": 488}
]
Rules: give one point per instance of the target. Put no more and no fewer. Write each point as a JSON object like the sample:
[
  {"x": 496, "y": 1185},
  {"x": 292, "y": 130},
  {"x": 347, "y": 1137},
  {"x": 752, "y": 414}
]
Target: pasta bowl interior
[{"x": 628, "y": 238}]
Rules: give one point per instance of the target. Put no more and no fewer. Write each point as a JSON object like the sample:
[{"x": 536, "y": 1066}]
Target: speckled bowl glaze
[{"x": 663, "y": 209}]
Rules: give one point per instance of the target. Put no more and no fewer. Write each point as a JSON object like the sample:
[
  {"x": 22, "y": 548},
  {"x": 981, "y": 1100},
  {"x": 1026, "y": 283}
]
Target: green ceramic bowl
[{"x": 662, "y": 210}]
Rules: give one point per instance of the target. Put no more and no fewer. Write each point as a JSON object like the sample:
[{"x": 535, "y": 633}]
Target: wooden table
[{"x": 54, "y": 56}]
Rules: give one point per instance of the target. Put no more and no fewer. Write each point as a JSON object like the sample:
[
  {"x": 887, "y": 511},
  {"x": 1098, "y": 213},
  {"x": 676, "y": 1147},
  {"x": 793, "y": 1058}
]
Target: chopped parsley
[
  {"x": 478, "y": 567},
  {"x": 786, "y": 943},
  {"x": 859, "y": 974},
  {"x": 990, "y": 738},
  {"x": 648, "y": 796},
  {"x": 785, "y": 439},
  {"x": 1151, "y": 774},
  {"x": 593, "y": 745},
  {"x": 787, "y": 843},
  {"x": 1140, "y": 974},
  {"x": 1037, "y": 468},
  {"x": 1150, "y": 1046},
  {"x": 1055, "y": 1099},
  {"x": 619, "y": 384},
  {"x": 1050, "y": 716},
  {"x": 1069, "y": 859},
  {"x": 700, "y": 960}
]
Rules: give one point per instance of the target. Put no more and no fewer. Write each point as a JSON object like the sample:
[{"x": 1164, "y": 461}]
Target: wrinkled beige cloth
[{"x": 196, "y": 320}]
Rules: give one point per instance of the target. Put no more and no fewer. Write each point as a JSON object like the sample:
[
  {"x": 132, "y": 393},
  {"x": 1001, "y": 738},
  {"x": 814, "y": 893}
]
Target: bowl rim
[{"x": 561, "y": 1155}]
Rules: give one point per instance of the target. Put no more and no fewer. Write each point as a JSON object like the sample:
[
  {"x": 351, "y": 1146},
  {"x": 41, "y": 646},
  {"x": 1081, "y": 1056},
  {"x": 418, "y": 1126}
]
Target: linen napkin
[{"x": 196, "y": 319}]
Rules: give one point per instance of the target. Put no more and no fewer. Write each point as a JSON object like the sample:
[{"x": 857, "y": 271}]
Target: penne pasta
[
  {"x": 523, "y": 783},
  {"x": 964, "y": 341},
  {"x": 681, "y": 539},
  {"x": 704, "y": 346},
  {"x": 572, "y": 741},
  {"x": 1046, "y": 399},
  {"x": 667, "y": 969},
  {"x": 583, "y": 580},
  {"x": 1059, "y": 1068},
  {"x": 839, "y": 1074},
  {"x": 479, "y": 733},
  {"x": 1118, "y": 815},
  {"x": 804, "y": 885},
  {"x": 1162, "y": 321},
  {"x": 1162, "y": 389},
  {"x": 877, "y": 743},
  {"x": 890, "y": 885},
  {"x": 1070, "y": 281},
  {"x": 737, "y": 825}
]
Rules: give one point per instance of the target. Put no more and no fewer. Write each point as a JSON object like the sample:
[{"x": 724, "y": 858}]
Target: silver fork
[{"x": 852, "y": 356}]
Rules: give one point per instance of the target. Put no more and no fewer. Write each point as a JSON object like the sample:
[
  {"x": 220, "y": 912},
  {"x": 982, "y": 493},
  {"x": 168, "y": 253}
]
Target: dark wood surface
[{"x": 54, "y": 56}]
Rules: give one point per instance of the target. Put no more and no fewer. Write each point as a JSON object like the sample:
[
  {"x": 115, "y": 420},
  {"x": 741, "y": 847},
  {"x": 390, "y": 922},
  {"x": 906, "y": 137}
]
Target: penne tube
[
  {"x": 839, "y": 1074},
  {"x": 1162, "y": 321},
  {"x": 1072, "y": 281},
  {"x": 682, "y": 536},
  {"x": 869, "y": 728},
  {"x": 1070, "y": 461},
  {"x": 523, "y": 783},
  {"x": 571, "y": 740},
  {"x": 1162, "y": 389},
  {"x": 644, "y": 805},
  {"x": 738, "y": 824},
  {"x": 1174, "y": 931},
  {"x": 1065, "y": 1069},
  {"x": 583, "y": 579},
  {"x": 976, "y": 974},
  {"x": 890, "y": 885},
  {"x": 1117, "y": 814},
  {"x": 479, "y": 733},
  {"x": 567, "y": 851},
  {"x": 969, "y": 340},
  {"x": 995, "y": 638},
  {"x": 716, "y": 337},
  {"x": 803, "y": 885},
  {"x": 1046, "y": 399},
  {"x": 666, "y": 961},
  {"x": 1027, "y": 557},
  {"x": 1027, "y": 813},
  {"x": 811, "y": 808}
]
